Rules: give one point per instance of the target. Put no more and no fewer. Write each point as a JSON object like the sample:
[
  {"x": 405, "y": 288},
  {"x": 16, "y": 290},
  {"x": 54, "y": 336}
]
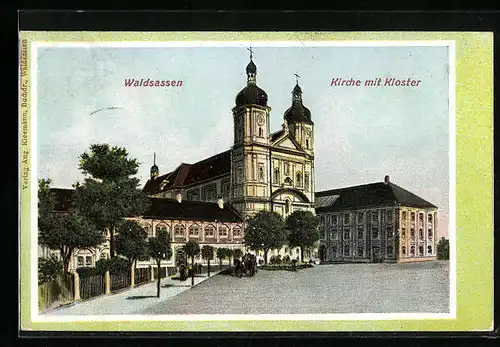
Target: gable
[{"x": 287, "y": 142}]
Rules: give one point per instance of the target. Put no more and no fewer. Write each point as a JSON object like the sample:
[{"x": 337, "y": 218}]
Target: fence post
[
  {"x": 132, "y": 276},
  {"x": 76, "y": 286},
  {"x": 107, "y": 282},
  {"x": 152, "y": 273}
]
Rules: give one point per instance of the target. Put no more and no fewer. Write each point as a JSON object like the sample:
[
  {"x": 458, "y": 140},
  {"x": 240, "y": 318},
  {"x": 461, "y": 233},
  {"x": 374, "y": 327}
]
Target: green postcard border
[{"x": 474, "y": 186}]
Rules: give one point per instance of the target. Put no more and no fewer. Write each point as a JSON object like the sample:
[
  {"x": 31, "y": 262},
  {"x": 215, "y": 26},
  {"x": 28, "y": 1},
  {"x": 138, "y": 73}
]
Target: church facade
[{"x": 263, "y": 170}]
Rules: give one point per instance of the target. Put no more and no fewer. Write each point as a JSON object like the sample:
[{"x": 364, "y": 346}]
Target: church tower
[
  {"x": 250, "y": 174},
  {"x": 154, "y": 169},
  {"x": 299, "y": 123}
]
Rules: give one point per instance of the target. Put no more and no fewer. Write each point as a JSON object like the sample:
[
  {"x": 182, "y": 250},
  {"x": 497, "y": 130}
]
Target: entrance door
[
  {"x": 322, "y": 254},
  {"x": 376, "y": 254}
]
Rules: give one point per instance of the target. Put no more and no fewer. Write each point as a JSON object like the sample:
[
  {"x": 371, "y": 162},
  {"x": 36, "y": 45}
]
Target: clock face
[{"x": 260, "y": 119}]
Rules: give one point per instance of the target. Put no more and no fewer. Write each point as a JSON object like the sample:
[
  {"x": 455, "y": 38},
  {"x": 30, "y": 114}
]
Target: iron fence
[
  {"x": 57, "y": 292},
  {"x": 142, "y": 275},
  {"x": 91, "y": 286},
  {"x": 119, "y": 281}
]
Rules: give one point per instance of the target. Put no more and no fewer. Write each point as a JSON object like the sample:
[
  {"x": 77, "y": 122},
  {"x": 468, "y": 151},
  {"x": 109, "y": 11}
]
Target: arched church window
[
  {"x": 276, "y": 175},
  {"x": 299, "y": 179},
  {"x": 261, "y": 132},
  {"x": 306, "y": 181},
  {"x": 194, "y": 230},
  {"x": 286, "y": 168},
  {"x": 288, "y": 181},
  {"x": 307, "y": 143},
  {"x": 287, "y": 206}
]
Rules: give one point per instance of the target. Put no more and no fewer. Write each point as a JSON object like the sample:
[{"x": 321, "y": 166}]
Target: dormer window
[{"x": 307, "y": 143}]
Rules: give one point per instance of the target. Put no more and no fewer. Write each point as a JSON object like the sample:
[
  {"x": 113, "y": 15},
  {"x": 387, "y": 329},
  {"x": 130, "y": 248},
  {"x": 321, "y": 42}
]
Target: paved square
[{"x": 339, "y": 288}]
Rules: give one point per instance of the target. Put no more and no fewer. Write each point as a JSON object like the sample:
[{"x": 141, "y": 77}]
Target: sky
[{"x": 361, "y": 133}]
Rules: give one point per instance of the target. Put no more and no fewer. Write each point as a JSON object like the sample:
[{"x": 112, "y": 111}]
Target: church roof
[
  {"x": 251, "y": 95},
  {"x": 277, "y": 135},
  {"x": 368, "y": 195},
  {"x": 188, "y": 174},
  {"x": 161, "y": 208}
]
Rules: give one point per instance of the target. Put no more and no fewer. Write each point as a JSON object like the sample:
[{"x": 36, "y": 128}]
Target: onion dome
[
  {"x": 298, "y": 113},
  {"x": 251, "y": 94},
  {"x": 154, "y": 169}
]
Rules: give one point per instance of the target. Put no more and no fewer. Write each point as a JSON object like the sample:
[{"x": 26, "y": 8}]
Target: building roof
[
  {"x": 161, "y": 208},
  {"x": 368, "y": 195},
  {"x": 276, "y": 135},
  {"x": 188, "y": 174}
]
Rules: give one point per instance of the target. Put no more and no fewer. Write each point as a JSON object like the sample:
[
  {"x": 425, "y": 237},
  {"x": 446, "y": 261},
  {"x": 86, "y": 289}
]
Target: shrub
[
  {"x": 49, "y": 269},
  {"x": 114, "y": 265},
  {"x": 286, "y": 259},
  {"x": 87, "y": 271}
]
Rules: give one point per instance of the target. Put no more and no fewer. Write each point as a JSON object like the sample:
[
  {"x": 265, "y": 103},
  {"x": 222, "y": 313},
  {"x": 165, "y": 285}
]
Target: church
[{"x": 263, "y": 170}]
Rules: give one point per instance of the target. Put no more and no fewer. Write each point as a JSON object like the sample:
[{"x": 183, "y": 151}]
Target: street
[{"x": 339, "y": 288}]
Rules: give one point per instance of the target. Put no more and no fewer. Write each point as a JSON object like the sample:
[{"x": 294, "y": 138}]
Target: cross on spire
[
  {"x": 297, "y": 78},
  {"x": 251, "y": 52},
  {"x": 154, "y": 158}
]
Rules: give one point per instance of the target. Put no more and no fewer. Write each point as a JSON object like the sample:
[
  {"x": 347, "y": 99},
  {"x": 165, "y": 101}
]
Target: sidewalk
[{"x": 130, "y": 300}]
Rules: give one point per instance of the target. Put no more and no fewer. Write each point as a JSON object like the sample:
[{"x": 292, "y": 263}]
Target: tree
[
  {"x": 49, "y": 269},
  {"x": 221, "y": 254},
  {"x": 192, "y": 249},
  {"x": 159, "y": 249},
  {"x": 302, "y": 228},
  {"x": 63, "y": 231},
  {"x": 207, "y": 252},
  {"x": 109, "y": 193},
  {"x": 443, "y": 249},
  {"x": 131, "y": 242},
  {"x": 237, "y": 253},
  {"x": 264, "y": 231}
]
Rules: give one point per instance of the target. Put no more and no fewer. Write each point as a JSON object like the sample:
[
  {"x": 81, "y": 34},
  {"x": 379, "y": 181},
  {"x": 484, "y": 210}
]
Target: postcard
[{"x": 250, "y": 182}]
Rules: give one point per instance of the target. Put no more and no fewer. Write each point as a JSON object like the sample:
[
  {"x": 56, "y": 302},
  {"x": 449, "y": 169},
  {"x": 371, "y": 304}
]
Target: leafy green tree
[
  {"x": 265, "y": 231},
  {"x": 443, "y": 249},
  {"x": 192, "y": 249},
  {"x": 109, "y": 193},
  {"x": 131, "y": 242},
  {"x": 221, "y": 254},
  {"x": 207, "y": 252},
  {"x": 302, "y": 228},
  {"x": 159, "y": 249},
  {"x": 49, "y": 269},
  {"x": 63, "y": 231}
]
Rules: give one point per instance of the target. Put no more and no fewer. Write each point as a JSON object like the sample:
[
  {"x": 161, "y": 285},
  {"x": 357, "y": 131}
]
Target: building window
[
  {"x": 161, "y": 228},
  {"x": 261, "y": 173},
  {"x": 421, "y": 218},
  {"x": 307, "y": 143},
  {"x": 332, "y": 235},
  {"x": 389, "y": 216},
  {"x": 347, "y": 218},
  {"x": 80, "y": 261},
  {"x": 193, "y": 194},
  {"x": 412, "y": 251},
  {"x": 429, "y": 218},
  {"x": 239, "y": 179},
  {"x": 360, "y": 251},
  {"x": 237, "y": 232},
  {"x": 287, "y": 206},
  {"x": 360, "y": 232},
  {"x": 375, "y": 217},
  {"x": 403, "y": 250},
  {"x": 209, "y": 231},
  {"x": 346, "y": 234},
  {"x": 322, "y": 219},
  {"x": 334, "y": 219},
  {"x": 179, "y": 230},
  {"x": 346, "y": 250},
  {"x": 277, "y": 175},
  {"x": 421, "y": 234},
  {"x": 223, "y": 231},
  {"x": 288, "y": 181},
  {"x": 261, "y": 132},
  {"x": 403, "y": 233},
  {"x": 403, "y": 216},
  {"x": 334, "y": 252},
  {"x": 413, "y": 216},
  {"x": 194, "y": 230},
  {"x": 420, "y": 251},
  {"x": 286, "y": 168},
  {"x": 360, "y": 217},
  {"x": 429, "y": 233},
  {"x": 225, "y": 187},
  {"x": 429, "y": 249},
  {"x": 390, "y": 251},
  {"x": 88, "y": 261},
  {"x": 390, "y": 232},
  {"x": 299, "y": 179},
  {"x": 209, "y": 193},
  {"x": 412, "y": 234},
  {"x": 306, "y": 181},
  {"x": 147, "y": 229},
  {"x": 375, "y": 232}
]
